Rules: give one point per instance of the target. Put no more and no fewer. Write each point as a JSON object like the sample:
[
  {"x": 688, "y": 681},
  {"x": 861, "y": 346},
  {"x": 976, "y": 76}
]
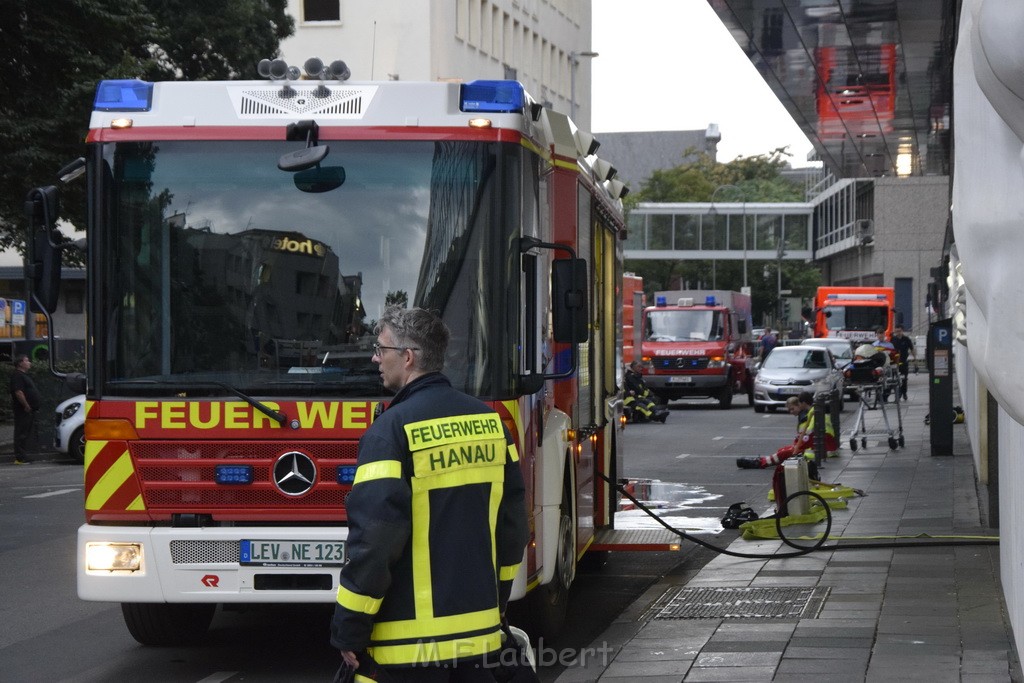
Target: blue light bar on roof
[
  {"x": 492, "y": 96},
  {"x": 709, "y": 300},
  {"x": 125, "y": 95}
]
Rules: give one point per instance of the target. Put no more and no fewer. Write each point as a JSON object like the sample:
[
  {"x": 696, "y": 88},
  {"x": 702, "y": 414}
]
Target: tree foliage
[
  {"x": 56, "y": 51},
  {"x": 758, "y": 179}
]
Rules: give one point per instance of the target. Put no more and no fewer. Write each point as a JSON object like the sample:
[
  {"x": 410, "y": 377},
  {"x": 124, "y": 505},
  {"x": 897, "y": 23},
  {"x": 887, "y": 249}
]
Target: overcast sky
[{"x": 672, "y": 65}]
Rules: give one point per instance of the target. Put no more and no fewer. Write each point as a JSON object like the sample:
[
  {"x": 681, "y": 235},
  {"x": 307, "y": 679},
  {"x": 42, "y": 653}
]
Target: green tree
[
  {"x": 55, "y": 52},
  {"x": 758, "y": 178}
]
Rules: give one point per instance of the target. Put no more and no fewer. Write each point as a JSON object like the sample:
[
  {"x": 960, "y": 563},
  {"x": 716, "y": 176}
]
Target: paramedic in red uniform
[{"x": 437, "y": 522}]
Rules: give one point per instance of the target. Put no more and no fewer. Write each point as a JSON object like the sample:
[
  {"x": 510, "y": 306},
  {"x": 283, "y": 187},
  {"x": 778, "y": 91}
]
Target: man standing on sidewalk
[
  {"x": 905, "y": 347},
  {"x": 25, "y": 403}
]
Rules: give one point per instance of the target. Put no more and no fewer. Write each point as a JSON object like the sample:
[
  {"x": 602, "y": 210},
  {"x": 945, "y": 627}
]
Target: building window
[{"x": 321, "y": 10}]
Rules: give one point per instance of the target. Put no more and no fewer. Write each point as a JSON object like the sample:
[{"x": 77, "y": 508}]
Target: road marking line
[
  {"x": 682, "y": 455},
  {"x": 718, "y": 438},
  {"x": 745, "y": 427},
  {"x": 53, "y": 493},
  {"x": 218, "y": 677}
]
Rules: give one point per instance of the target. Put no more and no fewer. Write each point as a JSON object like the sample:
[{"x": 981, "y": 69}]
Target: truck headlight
[
  {"x": 717, "y": 362},
  {"x": 113, "y": 557}
]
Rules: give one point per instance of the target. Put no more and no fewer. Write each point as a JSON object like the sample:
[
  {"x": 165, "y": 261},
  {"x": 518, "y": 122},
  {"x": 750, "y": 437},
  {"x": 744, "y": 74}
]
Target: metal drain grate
[{"x": 741, "y": 603}]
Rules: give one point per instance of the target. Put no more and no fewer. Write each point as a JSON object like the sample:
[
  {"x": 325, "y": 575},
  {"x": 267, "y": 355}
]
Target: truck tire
[
  {"x": 167, "y": 624},
  {"x": 725, "y": 394},
  {"x": 548, "y": 603}
]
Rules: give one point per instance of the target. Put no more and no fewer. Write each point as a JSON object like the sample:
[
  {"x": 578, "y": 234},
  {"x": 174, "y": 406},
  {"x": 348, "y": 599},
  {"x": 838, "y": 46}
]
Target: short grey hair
[{"x": 420, "y": 329}]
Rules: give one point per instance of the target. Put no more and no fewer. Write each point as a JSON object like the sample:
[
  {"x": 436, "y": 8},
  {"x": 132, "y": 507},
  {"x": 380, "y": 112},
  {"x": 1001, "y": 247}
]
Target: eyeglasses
[{"x": 377, "y": 348}]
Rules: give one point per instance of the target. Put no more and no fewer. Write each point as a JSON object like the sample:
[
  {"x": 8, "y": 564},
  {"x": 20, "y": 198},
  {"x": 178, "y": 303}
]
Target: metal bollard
[{"x": 821, "y": 413}]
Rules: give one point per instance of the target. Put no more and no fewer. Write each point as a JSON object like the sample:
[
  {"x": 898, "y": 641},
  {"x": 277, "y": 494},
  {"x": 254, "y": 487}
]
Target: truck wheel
[
  {"x": 549, "y": 602},
  {"x": 725, "y": 395},
  {"x": 164, "y": 624}
]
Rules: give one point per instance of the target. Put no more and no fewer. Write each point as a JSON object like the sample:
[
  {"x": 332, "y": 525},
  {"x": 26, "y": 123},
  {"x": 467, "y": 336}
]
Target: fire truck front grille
[
  {"x": 681, "y": 363},
  {"x": 204, "y": 552},
  {"x": 181, "y": 476}
]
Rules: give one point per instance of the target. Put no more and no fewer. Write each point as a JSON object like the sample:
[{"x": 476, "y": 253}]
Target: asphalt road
[{"x": 47, "y": 633}]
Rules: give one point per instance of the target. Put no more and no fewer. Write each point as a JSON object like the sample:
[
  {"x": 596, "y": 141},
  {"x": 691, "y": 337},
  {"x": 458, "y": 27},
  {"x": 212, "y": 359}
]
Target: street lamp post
[
  {"x": 779, "y": 253},
  {"x": 743, "y": 195},
  {"x": 574, "y": 60}
]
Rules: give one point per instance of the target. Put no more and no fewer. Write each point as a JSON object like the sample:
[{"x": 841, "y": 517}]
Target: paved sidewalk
[{"x": 886, "y": 614}]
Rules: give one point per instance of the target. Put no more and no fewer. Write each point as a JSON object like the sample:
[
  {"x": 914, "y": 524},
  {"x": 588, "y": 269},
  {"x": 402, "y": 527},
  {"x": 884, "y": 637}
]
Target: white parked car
[{"x": 69, "y": 435}]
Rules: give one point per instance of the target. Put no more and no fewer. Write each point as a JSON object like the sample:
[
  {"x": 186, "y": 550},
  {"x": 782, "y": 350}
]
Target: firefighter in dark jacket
[
  {"x": 639, "y": 402},
  {"x": 437, "y": 520}
]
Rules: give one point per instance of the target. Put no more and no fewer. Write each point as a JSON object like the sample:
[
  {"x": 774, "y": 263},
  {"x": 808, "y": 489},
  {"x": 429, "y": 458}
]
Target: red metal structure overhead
[{"x": 868, "y": 81}]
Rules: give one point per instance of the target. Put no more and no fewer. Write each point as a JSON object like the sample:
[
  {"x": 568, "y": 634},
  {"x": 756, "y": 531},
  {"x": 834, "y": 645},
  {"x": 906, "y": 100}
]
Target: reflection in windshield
[
  {"x": 220, "y": 270},
  {"x": 676, "y": 326}
]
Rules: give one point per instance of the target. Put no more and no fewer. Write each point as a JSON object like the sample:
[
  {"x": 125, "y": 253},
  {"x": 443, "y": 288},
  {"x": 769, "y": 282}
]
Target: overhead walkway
[{"x": 741, "y": 231}]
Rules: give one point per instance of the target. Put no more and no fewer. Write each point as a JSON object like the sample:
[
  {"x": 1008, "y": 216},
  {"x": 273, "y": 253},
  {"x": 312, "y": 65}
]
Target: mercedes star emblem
[{"x": 294, "y": 473}]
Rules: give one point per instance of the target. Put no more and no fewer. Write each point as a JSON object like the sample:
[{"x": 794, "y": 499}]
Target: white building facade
[{"x": 544, "y": 44}]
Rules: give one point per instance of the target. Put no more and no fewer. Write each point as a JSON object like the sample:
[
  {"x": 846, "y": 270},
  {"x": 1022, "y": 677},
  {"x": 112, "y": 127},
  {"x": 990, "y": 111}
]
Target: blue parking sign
[{"x": 17, "y": 312}]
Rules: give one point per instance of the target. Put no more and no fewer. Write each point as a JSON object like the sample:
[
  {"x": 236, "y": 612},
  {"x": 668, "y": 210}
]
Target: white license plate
[
  {"x": 790, "y": 390},
  {"x": 292, "y": 553},
  {"x": 680, "y": 380}
]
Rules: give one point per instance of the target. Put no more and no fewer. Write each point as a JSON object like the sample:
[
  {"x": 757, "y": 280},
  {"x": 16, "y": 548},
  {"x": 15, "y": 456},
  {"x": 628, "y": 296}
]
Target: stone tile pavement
[{"x": 887, "y": 612}]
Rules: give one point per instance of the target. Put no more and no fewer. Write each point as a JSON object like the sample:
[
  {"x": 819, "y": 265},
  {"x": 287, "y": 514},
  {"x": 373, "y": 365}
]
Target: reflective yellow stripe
[
  {"x": 534, "y": 148},
  {"x": 476, "y": 475},
  {"x": 517, "y": 418},
  {"x": 382, "y": 469},
  {"x": 110, "y": 482},
  {"x": 508, "y": 573},
  {"x": 513, "y": 453},
  {"x": 359, "y": 678},
  {"x": 422, "y": 581},
  {"x": 431, "y": 652},
  {"x": 363, "y": 604},
  {"x": 436, "y": 627}
]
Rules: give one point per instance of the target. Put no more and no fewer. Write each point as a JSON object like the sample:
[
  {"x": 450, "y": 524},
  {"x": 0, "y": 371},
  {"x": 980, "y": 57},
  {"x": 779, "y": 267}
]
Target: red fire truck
[
  {"x": 698, "y": 343},
  {"x": 243, "y": 238}
]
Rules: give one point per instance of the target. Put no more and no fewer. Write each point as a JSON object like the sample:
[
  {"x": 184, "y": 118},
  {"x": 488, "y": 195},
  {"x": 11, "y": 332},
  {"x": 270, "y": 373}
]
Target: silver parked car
[
  {"x": 842, "y": 351},
  {"x": 790, "y": 370}
]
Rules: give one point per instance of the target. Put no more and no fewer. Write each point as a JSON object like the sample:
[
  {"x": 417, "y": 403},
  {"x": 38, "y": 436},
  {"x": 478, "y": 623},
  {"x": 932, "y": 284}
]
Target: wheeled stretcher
[{"x": 873, "y": 384}]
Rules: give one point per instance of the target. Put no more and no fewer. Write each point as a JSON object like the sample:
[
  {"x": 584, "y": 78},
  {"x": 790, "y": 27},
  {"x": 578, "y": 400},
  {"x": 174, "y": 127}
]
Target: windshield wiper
[
  {"x": 278, "y": 416},
  {"x": 262, "y": 407}
]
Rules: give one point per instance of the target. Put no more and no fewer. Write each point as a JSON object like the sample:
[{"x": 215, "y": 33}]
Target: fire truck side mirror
[
  {"x": 42, "y": 267},
  {"x": 569, "y": 300}
]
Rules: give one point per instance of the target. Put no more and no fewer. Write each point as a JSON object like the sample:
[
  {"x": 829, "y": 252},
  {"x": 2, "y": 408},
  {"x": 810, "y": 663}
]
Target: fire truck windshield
[
  {"x": 686, "y": 325},
  {"x": 212, "y": 267},
  {"x": 855, "y": 317}
]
